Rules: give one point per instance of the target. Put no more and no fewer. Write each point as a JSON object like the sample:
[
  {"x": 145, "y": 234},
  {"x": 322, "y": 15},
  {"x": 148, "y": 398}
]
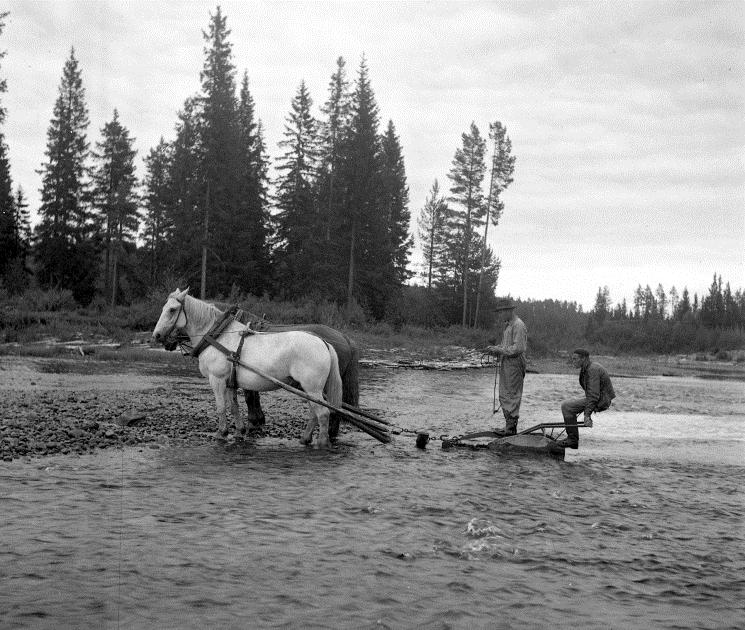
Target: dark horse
[{"x": 347, "y": 353}]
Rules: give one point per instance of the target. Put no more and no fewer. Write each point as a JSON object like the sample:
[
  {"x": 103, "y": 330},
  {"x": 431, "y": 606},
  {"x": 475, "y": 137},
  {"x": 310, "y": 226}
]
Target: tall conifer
[
  {"x": 186, "y": 178},
  {"x": 298, "y": 227},
  {"x": 66, "y": 248},
  {"x": 467, "y": 214},
  {"x": 220, "y": 246},
  {"x": 502, "y": 169},
  {"x": 253, "y": 182},
  {"x": 360, "y": 179},
  {"x": 115, "y": 200},
  {"x": 8, "y": 228},
  {"x": 431, "y": 225},
  {"x": 158, "y": 220},
  {"x": 395, "y": 208}
]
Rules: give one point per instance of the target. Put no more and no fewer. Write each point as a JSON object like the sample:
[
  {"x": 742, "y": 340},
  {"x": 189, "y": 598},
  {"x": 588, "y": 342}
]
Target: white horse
[{"x": 287, "y": 356}]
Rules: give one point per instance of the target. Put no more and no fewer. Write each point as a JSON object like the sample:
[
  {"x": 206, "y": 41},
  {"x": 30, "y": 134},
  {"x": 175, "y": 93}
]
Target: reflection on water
[{"x": 641, "y": 527}]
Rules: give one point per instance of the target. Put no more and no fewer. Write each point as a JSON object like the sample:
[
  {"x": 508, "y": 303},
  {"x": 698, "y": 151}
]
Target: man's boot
[{"x": 509, "y": 429}]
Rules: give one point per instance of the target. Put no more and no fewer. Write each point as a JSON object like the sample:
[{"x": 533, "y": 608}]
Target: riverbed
[{"x": 641, "y": 527}]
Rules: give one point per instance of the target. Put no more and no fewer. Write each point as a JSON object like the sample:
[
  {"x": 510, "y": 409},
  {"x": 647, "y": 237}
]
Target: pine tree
[
  {"x": 115, "y": 200},
  {"x": 431, "y": 224},
  {"x": 158, "y": 220},
  {"x": 502, "y": 169},
  {"x": 66, "y": 247},
  {"x": 298, "y": 228},
  {"x": 466, "y": 175}
]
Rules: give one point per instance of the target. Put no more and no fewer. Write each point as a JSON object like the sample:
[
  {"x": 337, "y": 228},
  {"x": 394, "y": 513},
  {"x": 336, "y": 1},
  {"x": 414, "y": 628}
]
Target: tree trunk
[
  {"x": 483, "y": 247},
  {"x": 350, "y": 277},
  {"x": 114, "y": 279},
  {"x": 205, "y": 239}
]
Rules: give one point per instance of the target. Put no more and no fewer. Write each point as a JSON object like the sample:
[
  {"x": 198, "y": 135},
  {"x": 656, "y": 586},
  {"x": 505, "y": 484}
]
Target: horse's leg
[
  {"x": 218, "y": 389},
  {"x": 307, "y": 436},
  {"x": 322, "y": 415},
  {"x": 240, "y": 427},
  {"x": 334, "y": 419},
  {"x": 253, "y": 403}
]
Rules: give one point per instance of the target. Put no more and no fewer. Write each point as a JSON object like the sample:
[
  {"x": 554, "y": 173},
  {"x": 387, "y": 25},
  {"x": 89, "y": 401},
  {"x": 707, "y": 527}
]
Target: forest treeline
[
  {"x": 323, "y": 223},
  {"x": 332, "y": 225}
]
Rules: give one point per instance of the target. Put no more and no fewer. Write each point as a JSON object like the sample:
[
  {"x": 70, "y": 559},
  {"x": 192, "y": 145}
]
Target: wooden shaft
[{"x": 364, "y": 412}]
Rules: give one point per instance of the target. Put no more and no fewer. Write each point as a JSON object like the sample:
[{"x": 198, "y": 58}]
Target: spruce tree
[
  {"x": 220, "y": 156},
  {"x": 332, "y": 131},
  {"x": 115, "y": 201},
  {"x": 9, "y": 248},
  {"x": 186, "y": 178},
  {"x": 8, "y": 229},
  {"x": 66, "y": 245},
  {"x": 17, "y": 274},
  {"x": 253, "y": 183},
  {"x": 158, "y": 220},
  {"x": 396, "y": 214},
  {"x": 298, "y": 228},
  {"x": 360, "y": 179}
]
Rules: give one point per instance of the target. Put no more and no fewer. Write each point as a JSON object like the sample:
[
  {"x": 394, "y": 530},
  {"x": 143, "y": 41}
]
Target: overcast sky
[{"x": 627, "y": 118}]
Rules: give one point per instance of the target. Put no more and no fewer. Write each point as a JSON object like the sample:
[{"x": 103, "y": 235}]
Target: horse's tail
[
  {"x": 333, "y": 388},
  {"x": 351, "y": 377}
]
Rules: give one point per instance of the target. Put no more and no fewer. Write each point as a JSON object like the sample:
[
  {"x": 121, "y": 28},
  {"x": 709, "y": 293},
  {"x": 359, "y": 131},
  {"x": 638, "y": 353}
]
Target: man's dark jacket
[{"x": 594, "y": 379}]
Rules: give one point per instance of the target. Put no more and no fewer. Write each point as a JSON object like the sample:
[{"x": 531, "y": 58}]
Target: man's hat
[
  {"x": 504, "y": 304},
  {"x": 582, "y": 352}
]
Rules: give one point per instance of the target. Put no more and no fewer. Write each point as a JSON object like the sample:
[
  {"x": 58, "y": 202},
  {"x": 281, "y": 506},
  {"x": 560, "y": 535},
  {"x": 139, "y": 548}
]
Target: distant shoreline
[{"x": 374, "y": 353}]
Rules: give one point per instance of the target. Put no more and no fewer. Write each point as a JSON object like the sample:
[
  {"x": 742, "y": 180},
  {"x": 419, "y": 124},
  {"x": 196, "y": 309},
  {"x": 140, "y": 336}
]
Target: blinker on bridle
[{"x": 167, "y": 336}]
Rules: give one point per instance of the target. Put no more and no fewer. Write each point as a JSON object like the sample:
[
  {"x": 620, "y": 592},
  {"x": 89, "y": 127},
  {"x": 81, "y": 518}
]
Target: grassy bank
[{"x": 49, "y": 324}]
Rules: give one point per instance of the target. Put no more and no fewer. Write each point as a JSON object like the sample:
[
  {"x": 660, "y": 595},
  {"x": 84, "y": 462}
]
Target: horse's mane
[{"x": 202, "y": 313}]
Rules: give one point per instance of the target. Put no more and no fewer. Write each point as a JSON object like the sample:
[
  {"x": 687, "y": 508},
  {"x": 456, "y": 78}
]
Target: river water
[{"x": 642, "y": 527}]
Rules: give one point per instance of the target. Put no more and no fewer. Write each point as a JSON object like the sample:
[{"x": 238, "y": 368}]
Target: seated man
[{"x": 595, "y": 381}]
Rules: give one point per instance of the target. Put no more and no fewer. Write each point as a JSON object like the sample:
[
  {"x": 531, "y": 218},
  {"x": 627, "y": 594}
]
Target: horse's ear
[{"x": 183, "y": 293}]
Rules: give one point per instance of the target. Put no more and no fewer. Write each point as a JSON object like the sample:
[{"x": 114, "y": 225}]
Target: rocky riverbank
[
  {"x": 71, "y": 406},
  {"x": 78, "y": 403}
]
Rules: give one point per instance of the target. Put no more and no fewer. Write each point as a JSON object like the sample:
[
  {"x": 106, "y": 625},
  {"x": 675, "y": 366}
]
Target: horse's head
[{"x": 172, "y": 318}]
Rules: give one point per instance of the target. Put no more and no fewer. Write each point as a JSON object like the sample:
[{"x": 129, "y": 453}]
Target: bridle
[{"x": 170, "y": 341}]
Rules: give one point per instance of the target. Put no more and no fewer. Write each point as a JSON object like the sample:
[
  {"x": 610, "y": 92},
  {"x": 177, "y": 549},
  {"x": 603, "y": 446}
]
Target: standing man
[
  {"x": 595, "y": 381},
  {"x": 512, "y": 367}
]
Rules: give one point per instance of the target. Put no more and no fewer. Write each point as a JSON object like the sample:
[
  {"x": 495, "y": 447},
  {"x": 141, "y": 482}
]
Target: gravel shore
[{"x": 73, "y": 406}]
